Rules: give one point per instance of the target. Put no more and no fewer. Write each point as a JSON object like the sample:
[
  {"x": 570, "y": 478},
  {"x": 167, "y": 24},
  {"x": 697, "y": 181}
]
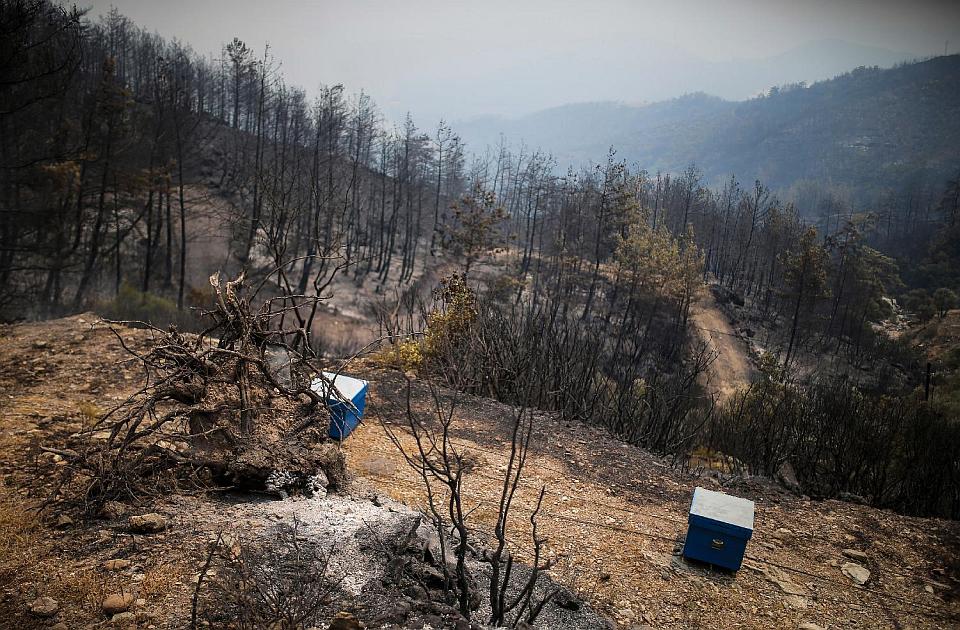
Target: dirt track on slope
[{"x": 731, "y": 369}]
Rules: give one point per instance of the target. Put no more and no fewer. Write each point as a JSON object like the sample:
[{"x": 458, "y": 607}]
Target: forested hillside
[
  {"x": 120, "y": 148},
  {"x": 868, "y": 131}
]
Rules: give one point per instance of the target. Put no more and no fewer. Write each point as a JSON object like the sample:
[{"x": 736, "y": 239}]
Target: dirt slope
[
  {"x": 731, "y": 369},
  {"x": 614, "y": 514}
]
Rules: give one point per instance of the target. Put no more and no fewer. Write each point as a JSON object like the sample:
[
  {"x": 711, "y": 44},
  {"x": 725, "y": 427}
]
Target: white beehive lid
[
  {"x": 346, "y": 386},
  {"x": 721, "y": 507}
]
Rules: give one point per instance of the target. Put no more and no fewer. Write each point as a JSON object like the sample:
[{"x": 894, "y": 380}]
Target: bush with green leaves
[
  {"x": 133, "y": 305},
  {"x": 898, "y": 452}
]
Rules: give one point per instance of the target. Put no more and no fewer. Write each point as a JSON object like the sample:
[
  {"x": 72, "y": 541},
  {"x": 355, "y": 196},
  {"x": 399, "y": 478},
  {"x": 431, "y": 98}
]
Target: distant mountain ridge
[
  {"x": 624, "y": 67},
  {"x": 868, "y": 129}
]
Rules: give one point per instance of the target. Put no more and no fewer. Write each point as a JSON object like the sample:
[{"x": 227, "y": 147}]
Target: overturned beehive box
[{"x": 346, "y": 397}]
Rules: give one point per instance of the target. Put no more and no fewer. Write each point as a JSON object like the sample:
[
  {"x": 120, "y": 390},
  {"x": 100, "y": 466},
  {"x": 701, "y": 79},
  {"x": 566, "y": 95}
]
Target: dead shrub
[{"x": 281, "y": 581}]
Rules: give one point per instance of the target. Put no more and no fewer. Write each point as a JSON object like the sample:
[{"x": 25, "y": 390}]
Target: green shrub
[
  {"x": 453, "y": 312},
  {"x": 136, "y": 306}
]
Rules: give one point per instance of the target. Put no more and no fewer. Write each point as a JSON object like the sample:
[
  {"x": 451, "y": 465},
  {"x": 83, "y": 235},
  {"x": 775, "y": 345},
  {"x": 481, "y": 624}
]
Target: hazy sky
[{"x": 460, "y": 59}]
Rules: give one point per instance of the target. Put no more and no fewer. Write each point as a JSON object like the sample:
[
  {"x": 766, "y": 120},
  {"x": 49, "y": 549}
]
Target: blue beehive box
[
  {"x": 719, "y": 527},
  {"x": 346, "y": 399}
]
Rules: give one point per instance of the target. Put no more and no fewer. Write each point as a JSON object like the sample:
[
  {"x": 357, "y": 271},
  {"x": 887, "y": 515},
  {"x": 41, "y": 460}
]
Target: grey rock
[
  {"x": 44, "y": 607},
  {"x": 859, "y": 574},
  {"x": 429, "y": 541},
  {"x": 786, "y": 585},
  {"x": 788, "y": 477},
  {"x": 317, "y": 485},
  {"x": 853, "y": 554}
]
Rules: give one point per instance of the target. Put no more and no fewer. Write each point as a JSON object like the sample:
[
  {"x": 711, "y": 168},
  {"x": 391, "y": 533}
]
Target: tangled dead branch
[{"x": 232, "y": 405}]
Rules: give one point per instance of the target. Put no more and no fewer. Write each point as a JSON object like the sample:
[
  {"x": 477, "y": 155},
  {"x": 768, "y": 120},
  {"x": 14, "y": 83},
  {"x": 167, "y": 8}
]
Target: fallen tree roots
[{"x": 231, "y": 406}]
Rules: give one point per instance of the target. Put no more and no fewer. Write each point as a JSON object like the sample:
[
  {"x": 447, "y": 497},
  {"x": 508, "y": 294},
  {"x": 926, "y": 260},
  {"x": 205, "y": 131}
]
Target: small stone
[
  {"x": 116, "y": 565},
  {"x": 809, "y": 625},
  {"x": 59, "y": 626},
  {"x": 44, "y": 607},
  {"x": 344, "y": 621},
  {"x": 147, "y": 523},
  {"x": 117, "y": 603},
  {"x": 40, "y": 344},
  {"x": 860, "y": 575},
  {"x": 853, "y": 554},
  {"x": 123, "y": 619},
  {"x": 782, "y": 532},
  {"x": 113, "y": 510},
  {"x": 63, "y": 522},
  {"x": 928, "y": 589}
]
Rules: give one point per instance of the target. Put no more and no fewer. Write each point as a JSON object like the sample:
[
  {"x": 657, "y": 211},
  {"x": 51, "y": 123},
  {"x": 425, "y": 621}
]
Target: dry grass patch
[
  {"x": 28, "y": 558},
  {"x": 160, "y": 580},
  {"x": 89, "y": 413},
  {"x": 22, "y": 538}
]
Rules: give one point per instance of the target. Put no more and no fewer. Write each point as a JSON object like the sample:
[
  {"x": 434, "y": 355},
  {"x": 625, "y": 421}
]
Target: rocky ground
[
  {"x": 138, "y": 563},
  {"x": 614, "y": 516}
]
